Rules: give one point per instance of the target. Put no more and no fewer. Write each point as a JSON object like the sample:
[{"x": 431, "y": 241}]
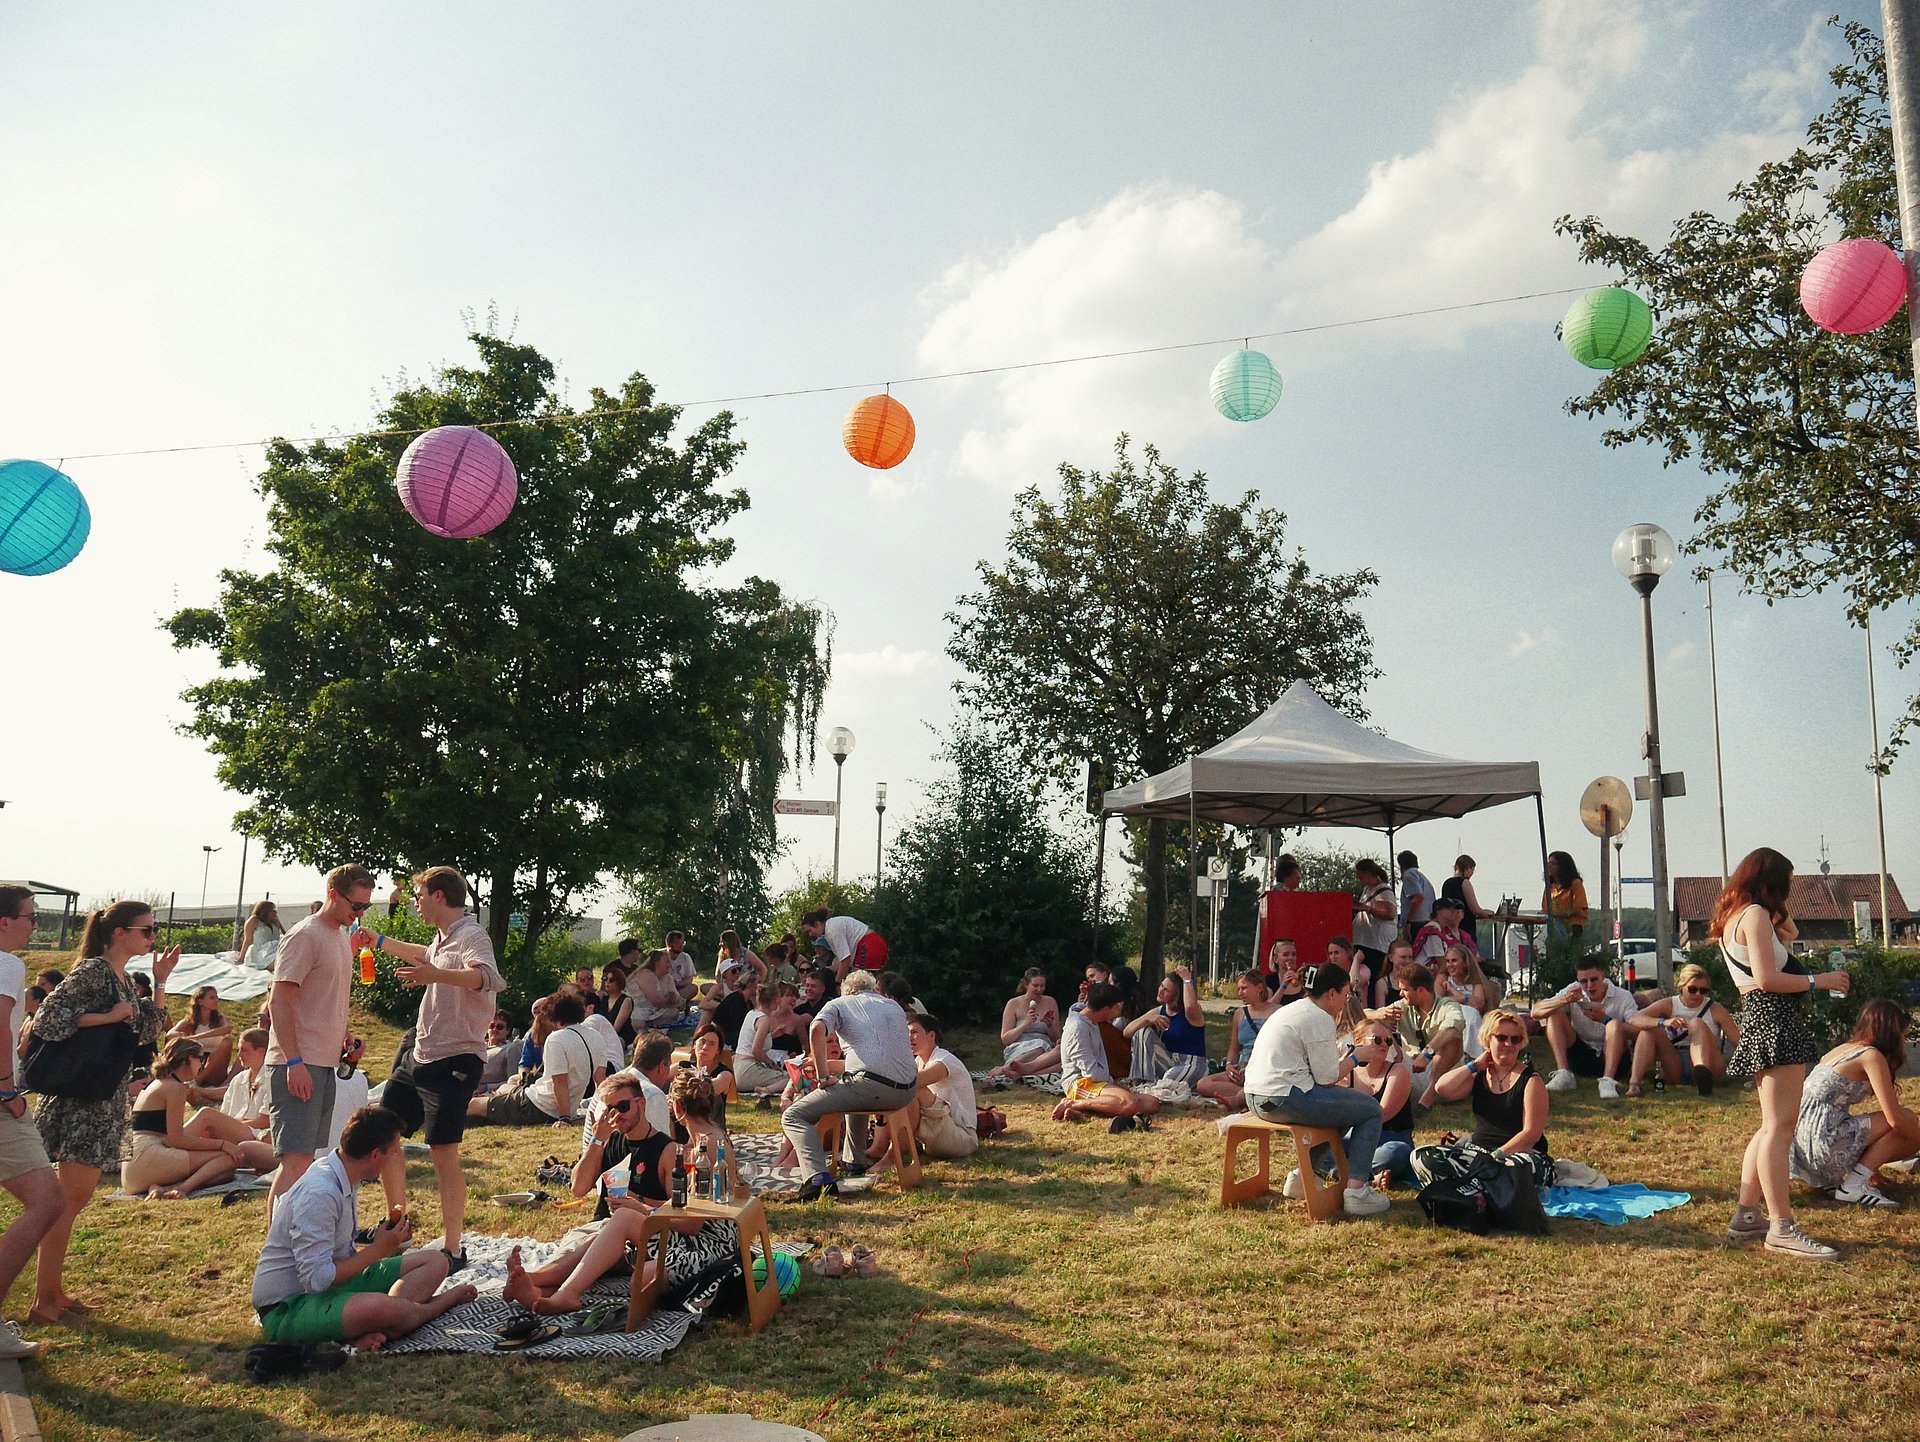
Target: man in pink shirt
[
  {"x": 438, "y": 1067},
  {"x": 312, "y": 979}
]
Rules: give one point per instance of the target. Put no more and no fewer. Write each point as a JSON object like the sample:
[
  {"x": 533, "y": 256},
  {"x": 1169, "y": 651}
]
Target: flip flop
[
  {"x": 595, "y": 1320},
  {"x": 832, "y": 1263},
  {"x": 540, "y": 1331}
]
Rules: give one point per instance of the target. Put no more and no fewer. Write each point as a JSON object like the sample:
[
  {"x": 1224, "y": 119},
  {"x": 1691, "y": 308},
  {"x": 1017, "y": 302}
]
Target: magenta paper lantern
[
  {"x": 457, "y": 481},
  {"x": 1853, "y": 286}
]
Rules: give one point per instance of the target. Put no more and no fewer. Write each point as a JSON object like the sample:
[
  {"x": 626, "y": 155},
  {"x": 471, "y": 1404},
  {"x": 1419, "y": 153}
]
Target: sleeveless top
[
  {"x": 1247, "y": 1029},
  {"x": 1499, "y": 1117},
  {"x": 266, "y": 946},
  {"x": 1182, "y": 1037},
  {"x": 1735, "y": 953},
  {"x": 154, "y": 1120},
  {"x": 1702, "y": 1012},
  {"x": 643, "y": 1160},
  {"x": 1402, "y": 1120},
  {"x": 1454, "y": 888}
]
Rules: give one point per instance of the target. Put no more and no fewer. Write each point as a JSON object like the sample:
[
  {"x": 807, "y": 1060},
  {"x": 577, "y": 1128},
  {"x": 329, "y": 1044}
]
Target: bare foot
[
  {"x": 171, "y": 1194},
  {"x": 520, "y": 1288},
  {"x": 45, "y": 1318},
  {"x": 461, "y": 1294},
  {"x": 558, "y": 1305},
  {"x": 371, "y": 1342},
  {"x": 74, "y": 1304}
]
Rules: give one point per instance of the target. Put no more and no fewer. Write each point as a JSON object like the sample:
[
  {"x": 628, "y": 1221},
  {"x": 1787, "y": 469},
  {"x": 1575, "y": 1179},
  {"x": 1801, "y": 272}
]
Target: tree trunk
[
  {"x": 1153, "y": 877},
  {"x": 500, "y": 907}
]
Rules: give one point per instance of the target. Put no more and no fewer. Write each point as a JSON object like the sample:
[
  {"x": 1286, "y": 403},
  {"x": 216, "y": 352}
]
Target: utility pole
[{"x": 1900, "y": 40}]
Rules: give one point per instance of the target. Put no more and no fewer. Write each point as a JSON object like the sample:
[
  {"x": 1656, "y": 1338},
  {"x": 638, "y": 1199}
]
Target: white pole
[
  {"x": 1900, "y": 42},
  {"x": 1879, "y": 805},
  {"x": 1719, "y": 776}
]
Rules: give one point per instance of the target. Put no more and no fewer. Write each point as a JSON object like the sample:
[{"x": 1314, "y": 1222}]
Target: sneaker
[
  {"x": 1703, "y": 1081},
  {"x": 1787, "y": 1238},
  {"x": 1609, "y": 1089},
  {"x": 1561, "y": 1081},
  {"x": 821, "y": 1186},
  {"x": 1364, "y": 1202},
  {"x": 454, "y": 1261},
  {"x": 1293, "y": 1189},
  {"x": 13, "y": 1346},
  {"x": 1864, "y": 1196},
  {"x": 1120, "y": 1124},
  {"x": 1749, "y": 1224}
]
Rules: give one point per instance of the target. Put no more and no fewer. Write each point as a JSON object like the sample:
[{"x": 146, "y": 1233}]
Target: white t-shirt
[
  {"x": 1295, "y": 1049},
  {"x": 1082, "y": 1052},
  {"x": 842, "y": 935},
  {"x": 1619, "y": 1005},
  {"x": 605, "y": 1039},
  {"x": 348, "y": 1097},
  {"x": 1375, "y": 932},
  {"x": 244, "y": 1099},
  {"x": 956, "y": 1087},
  {"x": 13, "y": 983},
  {"x": 568, "y": 1053},
  {"x": 681, "y": 968}
]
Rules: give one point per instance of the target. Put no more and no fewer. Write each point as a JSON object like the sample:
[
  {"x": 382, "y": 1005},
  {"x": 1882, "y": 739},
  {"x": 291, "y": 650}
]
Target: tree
[
  {"x": 1809, "y": 436},
  {"x": 981, "y": 887},
  {"x": 815, "y": 893},
  {"x": 1137, "y": 620},
  {"x": 567, "y": 696}
]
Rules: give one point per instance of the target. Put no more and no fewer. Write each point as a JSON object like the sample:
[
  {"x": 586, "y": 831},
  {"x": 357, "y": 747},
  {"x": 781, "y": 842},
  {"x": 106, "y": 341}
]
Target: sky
[{"x": 230, "y": 222}]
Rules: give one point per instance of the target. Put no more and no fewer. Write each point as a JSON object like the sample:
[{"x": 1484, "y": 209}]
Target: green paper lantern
[
  {"x": 1607, "y": 328},
  {"x": 1245, "y": 386}
]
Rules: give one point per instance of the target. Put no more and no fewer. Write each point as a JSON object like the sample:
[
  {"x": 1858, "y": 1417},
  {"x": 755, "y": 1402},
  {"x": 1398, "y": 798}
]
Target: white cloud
[
  {"x": 1525, "y": 641},
  {"x": 887, "y": 661}
]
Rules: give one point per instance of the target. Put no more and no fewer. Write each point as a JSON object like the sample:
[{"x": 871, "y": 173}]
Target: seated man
[
  {"x": 313, "y": 1285},
  {"x": 1587, "y": 1027},
  {"x": 567, "y": 1059},
  {"x": 1085, "y": 1073},
  {"x": 651, "y": 1070},
  {"x": 879, "y": 1075},
  {"x": 1432, "y": 1028},
  {"x": 503, "y": 1051},
  {"x": 245, "y": 1099},
  {"x": 1430, "y": 943}
]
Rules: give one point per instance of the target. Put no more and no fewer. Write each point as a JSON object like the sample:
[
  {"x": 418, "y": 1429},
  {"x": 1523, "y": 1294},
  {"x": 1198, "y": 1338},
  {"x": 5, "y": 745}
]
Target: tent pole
[
  {"x": 1193, "y": 876},
  {"x": 1533, "y": 972}
]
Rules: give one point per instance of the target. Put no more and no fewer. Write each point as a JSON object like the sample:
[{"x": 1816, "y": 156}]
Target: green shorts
[{"x": 319, "y": 1316}]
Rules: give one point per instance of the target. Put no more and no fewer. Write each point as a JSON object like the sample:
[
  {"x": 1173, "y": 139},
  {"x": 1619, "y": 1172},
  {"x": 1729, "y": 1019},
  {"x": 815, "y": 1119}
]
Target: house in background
[{"x": 1821, "y": 906}]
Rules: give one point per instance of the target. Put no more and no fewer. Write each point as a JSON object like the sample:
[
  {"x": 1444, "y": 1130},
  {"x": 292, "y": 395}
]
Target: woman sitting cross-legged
[
  {"x": 1689, "y": 1034},
  {"x": 1509, "y": 1104},
  {"x": 1257, "y": 1003},
  {"x": 1380, "y": 1069},
  {"x": 1170, "y": 1039},
  {"x": 174, "y": 1154},
  {"x": 1029, "y": 1030},
  {"x": 1297, "y": 1076},
  {"x": 1832, "y": 1145}
]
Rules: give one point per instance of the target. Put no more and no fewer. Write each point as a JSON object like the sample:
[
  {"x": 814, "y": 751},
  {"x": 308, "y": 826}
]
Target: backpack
[{"x": 1488, "y": 1193}]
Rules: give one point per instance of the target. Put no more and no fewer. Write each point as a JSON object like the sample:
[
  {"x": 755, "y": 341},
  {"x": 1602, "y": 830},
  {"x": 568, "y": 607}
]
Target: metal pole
[
  {"x": 205, "y": 870},
  {"x": 1193, "y": 855},
  {"x": 1533, "y": 962},
  {"x": 1900, "y": 39},
  {"x": 839, "y": 771},
  {"x": 1619, "y": 901},
  {"x": 240, "y": 896},
  {"x": 1879, "y": 806},
  {"x": 1606, "y": 887},
  {"x": 1719, "y": 776},
  {"x": 1099, "y": 877},
  {"x": 1656, "y": 810},
  {"x": 879, "y": 841}
]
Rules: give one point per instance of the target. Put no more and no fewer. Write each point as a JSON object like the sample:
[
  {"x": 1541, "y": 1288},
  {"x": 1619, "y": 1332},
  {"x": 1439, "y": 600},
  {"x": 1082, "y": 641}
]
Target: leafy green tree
[
  {"x": 565, "y": 697},
  {"x": 849, "y": 898},
  {"x": 1138, "y": 620},
  {"x": 1808, "y": 437}
]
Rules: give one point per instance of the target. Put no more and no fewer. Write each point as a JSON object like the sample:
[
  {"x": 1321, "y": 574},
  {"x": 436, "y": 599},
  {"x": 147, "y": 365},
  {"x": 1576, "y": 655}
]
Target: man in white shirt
[
  {"x": 1587, "y": 1027},
  {"x": 879, "y": 1076},
  {"x": 24, "y": 1168},
  {"x": 851, "y": 943},
  {"x": 606, "y": 1040},
  {"x": 568, "y": 1059},
  {"x": 1416, "y": 895},
  {"x": 652, "y": 1068},
  {"x": 247, "y": 1094},
  {"x": 680, "y": 964},
  {"x": 1087, "y": 1081}
]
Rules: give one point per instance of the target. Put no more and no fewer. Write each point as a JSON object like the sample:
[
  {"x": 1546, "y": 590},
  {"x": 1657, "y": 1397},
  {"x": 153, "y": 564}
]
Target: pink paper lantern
[
  {"x": 457, "y": 481},
  {"x": 1853, "y": 286}
]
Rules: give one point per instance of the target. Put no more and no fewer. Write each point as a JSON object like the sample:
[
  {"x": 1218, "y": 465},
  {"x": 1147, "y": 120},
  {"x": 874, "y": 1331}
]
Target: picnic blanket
[
  {"x": 1614, "y": 1205},
  {"x": 243, "y": 1181},
  {"x": 1170, "y": 1093},
  {"x": 756, "y": 1155},
  {"x": 224, "y": 973},
  {"x": 475, "y": 1326}
]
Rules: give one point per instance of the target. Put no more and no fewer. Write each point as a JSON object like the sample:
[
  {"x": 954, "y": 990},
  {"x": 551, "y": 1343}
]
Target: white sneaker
[
  {"x": 1364, "y": 1202},
  {"x": 1793, "y": 1242},
  {"x": 13, "y": 1346},
  {"x": 1609, "y": 1089},
  {"x": 1863, "y": 1196},
  {"x": 1561, "y": 1081},
  {"x": 1293, "y": 1189}
]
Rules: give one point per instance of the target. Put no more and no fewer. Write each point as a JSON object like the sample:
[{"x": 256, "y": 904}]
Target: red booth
[{"x": 1310, "y": 919}]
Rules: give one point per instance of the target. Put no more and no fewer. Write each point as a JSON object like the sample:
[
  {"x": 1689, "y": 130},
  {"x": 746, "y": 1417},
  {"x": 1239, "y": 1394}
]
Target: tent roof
[{"x": 1302, "y": 763}]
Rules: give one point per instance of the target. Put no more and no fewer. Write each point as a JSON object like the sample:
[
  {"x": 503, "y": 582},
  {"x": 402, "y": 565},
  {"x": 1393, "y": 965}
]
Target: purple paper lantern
[
  {"x": 457, "y": 481},
  {"x": 1853, "y": 286}
]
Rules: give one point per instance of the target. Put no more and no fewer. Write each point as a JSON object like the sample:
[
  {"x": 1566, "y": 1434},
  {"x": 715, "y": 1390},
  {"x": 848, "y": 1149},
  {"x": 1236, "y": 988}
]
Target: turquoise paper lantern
[
  {"x": 1245, "y": 386},
  {"x": 1607, "y": 328},
  {"x": 43, "y": 518}
]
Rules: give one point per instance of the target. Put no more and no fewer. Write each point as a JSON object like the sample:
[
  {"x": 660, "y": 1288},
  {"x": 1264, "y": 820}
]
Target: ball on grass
[{"x": 786, "y": 1272}]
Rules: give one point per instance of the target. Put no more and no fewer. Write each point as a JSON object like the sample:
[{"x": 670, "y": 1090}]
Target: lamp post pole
[
  {"x": 1643, "y": 554},
  {"x": 1879, "y": 806},
  {"x": 840, "y": 747},
  {"x": 1719, "y": 776},
  {"x": 879, "y": 828},
  {"x": 206, "y": 867},
  {"x": 1900, "y": 42},
  {"x": 240, "y": 895}
]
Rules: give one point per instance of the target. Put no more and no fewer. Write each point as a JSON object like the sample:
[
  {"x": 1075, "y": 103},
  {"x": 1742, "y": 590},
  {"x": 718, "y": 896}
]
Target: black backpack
[{"x": 1492, "y": 1193}]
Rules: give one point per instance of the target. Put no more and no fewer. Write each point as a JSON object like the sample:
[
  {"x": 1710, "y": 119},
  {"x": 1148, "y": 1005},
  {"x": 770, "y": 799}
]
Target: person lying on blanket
[
  {"x": 1088, "y": 1083},
  {"x": 630, "y": 1164},
  {"x": 313, "y": 1285}
]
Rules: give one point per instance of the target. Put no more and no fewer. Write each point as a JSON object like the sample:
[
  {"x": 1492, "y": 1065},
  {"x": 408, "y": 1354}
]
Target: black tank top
[
  {"x": 152, "y": 1120},
  {"x": 1402, "y": 1120},
  {"x": 1499, "y": 1117},
  {"x": 1455, "y": 887}
]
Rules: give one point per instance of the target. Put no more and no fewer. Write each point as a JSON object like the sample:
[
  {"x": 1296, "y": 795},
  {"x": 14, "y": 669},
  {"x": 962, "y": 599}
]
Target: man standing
[
  {"x": 24, "y": 1168},
  {"x": 1587, "y": 1027},
  {"x": 439, "y": 1063},
  {"x": 313, "y": 1285},
  {"x": 312, "y": 979},
  {"x": 852, "y": 944},
  {"x": 1085, "y": 1075},
  {"x": 1416, "y": 896},
  {"x": 880, "y": 1075}
]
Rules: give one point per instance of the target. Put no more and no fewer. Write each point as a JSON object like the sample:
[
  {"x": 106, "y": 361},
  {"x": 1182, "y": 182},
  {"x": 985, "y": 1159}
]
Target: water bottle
[
  {"x": 720, "y": 1186},
  {"x": 702, "y": 1170}
]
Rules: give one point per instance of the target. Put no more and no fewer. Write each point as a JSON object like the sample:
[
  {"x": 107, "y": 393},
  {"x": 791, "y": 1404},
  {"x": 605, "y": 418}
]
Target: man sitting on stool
[
  {"x": 1084, "y": 1073},
  {"x": 1586, "y": 1025},
  {"x": 879, "y": 1077}
]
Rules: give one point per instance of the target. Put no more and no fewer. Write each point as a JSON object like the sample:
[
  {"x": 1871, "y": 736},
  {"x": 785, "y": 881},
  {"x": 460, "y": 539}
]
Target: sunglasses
[
  {"x": 620, "y": 1107},
  {"x": 356, "y": 907},
  {"x": 1506, "y": 1039},
  {"x": 147, "y": 930},
  {"x": 1376, "y": 1041},
  {"x": 1694, "y": 990}
]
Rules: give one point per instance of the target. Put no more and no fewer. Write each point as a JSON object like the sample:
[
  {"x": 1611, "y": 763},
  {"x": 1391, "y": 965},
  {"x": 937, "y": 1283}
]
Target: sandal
[
  {"x": 606, "y": 1317},
  {"x": 1636, "y": 1090},
  {"x": 865, "y": 1263},
  {"x": 832, "y": 1263},
  {"x": 523, "y": 1332}
]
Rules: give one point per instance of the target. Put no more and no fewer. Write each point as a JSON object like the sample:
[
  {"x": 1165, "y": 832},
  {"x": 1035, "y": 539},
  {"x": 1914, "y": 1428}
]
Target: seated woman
[
  {"x": 656, "y": 996},
  {"x": 1509, "y": 1104},
  {"x": 1257, "y": 1003},
  {"x": 944, "y": 1114},
  {"x": 758, "y": 1064},
  {"x": 1284, "y": 969},
  {"x": 174, "y": 1154},
  {"x": 1029, "y": 1031},
  {"x": 1380, "y": 1069},
  {"x": 712, "y": 1061},
  {"x": 1837, "y": 1148},
  {"x": 1454, "y": 976},
  {"x": 1689, "y": 1034},
  {"x": 615, "y": 1005},
  {"x": 1344, "y": 954},
  {"x": 205, "y": 1024},
  {"x": 1170, "y": 1040},
  {"x": 631, "y": 1166}
]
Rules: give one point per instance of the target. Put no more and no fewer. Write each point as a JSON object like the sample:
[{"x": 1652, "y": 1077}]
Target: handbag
[
  {"x": 89, "y": 1066},
  {"x": 1487, "y": 1192}
]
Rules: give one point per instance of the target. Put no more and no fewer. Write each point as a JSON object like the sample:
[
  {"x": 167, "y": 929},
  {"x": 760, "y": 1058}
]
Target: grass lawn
[{"x": 1071, "y": 1284}]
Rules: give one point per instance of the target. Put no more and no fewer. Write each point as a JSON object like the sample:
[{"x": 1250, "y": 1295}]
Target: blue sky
[{"x": 229, "y": 222}]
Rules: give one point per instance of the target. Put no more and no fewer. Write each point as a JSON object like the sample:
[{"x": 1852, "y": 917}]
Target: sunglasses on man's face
[
  {"x": 620, "y": 1107},
  {"x": 356, "y": 907}
]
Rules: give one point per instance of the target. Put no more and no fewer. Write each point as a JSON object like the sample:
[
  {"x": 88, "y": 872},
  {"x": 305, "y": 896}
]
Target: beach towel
[{"x": 1614, "y": 1205}]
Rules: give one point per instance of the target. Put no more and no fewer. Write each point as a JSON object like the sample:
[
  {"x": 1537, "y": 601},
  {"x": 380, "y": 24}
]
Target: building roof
[{"x": 1813, "y": 898}]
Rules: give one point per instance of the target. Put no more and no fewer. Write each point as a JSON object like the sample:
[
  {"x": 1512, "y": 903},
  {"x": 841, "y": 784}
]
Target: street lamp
[
  {"x": 879, "y": 828},
  {"x": 1643, "y": 554},
  {"x": 205, "y": 867},
  {"x": 840, "y": 747}
]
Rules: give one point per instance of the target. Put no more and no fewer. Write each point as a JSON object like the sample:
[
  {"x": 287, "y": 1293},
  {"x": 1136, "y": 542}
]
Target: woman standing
[
  {"x": 1459, "y": 886},
  {"x": 1029, "y": 1031},
  {"x": 1775, "y": 1046},
  {"x": 1832, "y": 1146},
  {"x": 1565, "y": 902},
  {"x": 1376, "y": 916},
  {"x": 260, "y": 941},
  {"x": 84, "y": 1138}
]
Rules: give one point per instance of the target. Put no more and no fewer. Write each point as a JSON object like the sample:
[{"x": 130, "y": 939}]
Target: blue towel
[{"x": 1612, "y": 1205}]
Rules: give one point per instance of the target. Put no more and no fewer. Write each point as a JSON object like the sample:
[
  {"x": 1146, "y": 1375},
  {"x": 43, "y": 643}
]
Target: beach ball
[
  {"x": 786, "y": 1272},
  {"x": 1245, "y": 386},
  {"x": 1607, "y": 328},
  {"x": 1853, "y": 286},
  {"x": 457, "y": 481},
  {"x": 878, "y": 432},
  {"x": 43, "y": 518}
]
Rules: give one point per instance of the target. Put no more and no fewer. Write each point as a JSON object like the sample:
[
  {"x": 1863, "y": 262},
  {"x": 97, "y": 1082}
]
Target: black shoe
[
  {"x": 1142, "y": 1124},
  {"x": 363, "y": 1237},
  {"x": 1703, "y": 1081},
  {"x": 1121, "y": 1124},
  {"x": 454, "y": 1263},
  {"x": 821, "y": 1186}
]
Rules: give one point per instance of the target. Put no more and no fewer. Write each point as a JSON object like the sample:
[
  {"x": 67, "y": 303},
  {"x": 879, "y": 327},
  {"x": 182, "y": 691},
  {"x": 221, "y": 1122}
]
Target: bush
[{"x": 1876, "y": 973}]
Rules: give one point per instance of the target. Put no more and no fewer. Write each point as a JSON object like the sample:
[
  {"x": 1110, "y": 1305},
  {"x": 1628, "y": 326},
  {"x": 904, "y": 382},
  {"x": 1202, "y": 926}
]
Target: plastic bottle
[
  {"x": 366, "y": 966},
  {"x": 720, "y": 1187},
  {"x": 702, "y": 1170}
]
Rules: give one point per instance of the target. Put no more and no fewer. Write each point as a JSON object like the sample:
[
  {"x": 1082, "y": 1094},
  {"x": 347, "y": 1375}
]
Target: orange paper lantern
[{"x": 878, "y": 432}]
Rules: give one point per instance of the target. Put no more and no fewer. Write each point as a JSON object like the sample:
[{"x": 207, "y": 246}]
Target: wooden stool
[
  {"x": 749, "y": 1224},
  {"x": 1323, "y": 1198},
  {"x": 906, "y": 1147}
]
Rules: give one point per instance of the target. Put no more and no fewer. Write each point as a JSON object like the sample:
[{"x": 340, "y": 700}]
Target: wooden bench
[
  {"x": 906, "y": 1147},
  {"x": 1323, "y": 1198}
]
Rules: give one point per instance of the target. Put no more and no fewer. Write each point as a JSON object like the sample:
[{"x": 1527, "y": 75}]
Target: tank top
[
  {"x": 643, "y": 1159},
  {"x": 1702, "y": 1012},
  {"x": 1455, "y": 888},
  {"x": 1182, "y": 1037},
  {"x": 1499, "y": 1117},
  {"x": 1740, "y": 963},
  {"x": 154, "y": 1120},
  {"x": 1247, "y": 1029},
  {"x": 1402, "y": 1120}
]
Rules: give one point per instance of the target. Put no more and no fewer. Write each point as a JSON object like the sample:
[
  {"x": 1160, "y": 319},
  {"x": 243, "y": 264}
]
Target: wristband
[
  {"x": 379, "y": 941},
  {"x": 294, "y": 1061},
  {"x": 1813, "y": 985},
  {"x": 1473, "y": 1067}
]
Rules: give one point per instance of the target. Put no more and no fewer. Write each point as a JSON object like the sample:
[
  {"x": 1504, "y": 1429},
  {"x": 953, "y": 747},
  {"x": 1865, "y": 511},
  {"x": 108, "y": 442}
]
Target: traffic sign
[
  {"x": 794, "y": 806},
  {"x": 1636, "y": 881}
]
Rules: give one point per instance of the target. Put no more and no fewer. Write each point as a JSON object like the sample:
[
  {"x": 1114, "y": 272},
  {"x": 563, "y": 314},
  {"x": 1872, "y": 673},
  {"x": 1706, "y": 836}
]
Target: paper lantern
[
  {"x": 1607, "y": 328},
  {"x": 1853, "y": 286},
  {"x": 1245, "y": 386},
  {"x": 43, "y": 518},
  {"x": 878, "y": 432},
  {"x": 457, "y": 481}
]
